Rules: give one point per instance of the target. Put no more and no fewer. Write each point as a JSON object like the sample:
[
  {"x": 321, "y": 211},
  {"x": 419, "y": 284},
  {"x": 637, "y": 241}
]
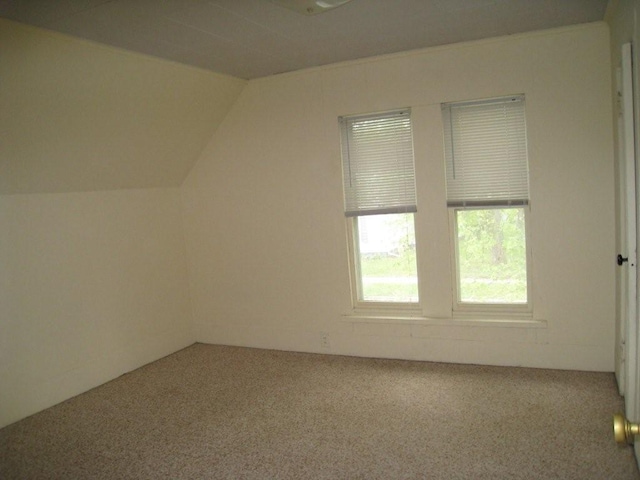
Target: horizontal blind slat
[
  {"x": 378, "y": 167},
  {"x": 486, "y": 151}
]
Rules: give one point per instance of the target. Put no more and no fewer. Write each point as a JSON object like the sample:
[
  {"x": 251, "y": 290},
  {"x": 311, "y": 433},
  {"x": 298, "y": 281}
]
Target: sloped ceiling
[
  {"x": 76, "y": 116},
  {"x": 255, "y": 38}
]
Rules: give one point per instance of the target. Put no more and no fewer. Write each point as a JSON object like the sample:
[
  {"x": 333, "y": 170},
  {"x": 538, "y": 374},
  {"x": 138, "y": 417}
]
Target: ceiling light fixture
[{"x": 310, "y": 7}]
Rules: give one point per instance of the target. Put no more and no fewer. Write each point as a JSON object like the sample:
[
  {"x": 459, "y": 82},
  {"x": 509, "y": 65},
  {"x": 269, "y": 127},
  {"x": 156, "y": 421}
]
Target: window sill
[{"x": 488, "y": 320}]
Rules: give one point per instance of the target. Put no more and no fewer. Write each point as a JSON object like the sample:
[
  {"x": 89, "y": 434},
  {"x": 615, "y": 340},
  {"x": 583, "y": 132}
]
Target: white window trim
[{"x": 488, "y": 310}]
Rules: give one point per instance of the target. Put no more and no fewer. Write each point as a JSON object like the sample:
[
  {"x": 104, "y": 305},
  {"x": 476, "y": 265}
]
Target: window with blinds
[
  {"x": 486, "y": 152},
  {"x": 379, "y": 202},
  {"x": 378, "y": 168},
  {"x": 487, "y": 193}
]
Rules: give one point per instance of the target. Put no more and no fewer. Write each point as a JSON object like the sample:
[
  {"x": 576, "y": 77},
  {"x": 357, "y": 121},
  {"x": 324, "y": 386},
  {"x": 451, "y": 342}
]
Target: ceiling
[{"x": 256, "y": 38}]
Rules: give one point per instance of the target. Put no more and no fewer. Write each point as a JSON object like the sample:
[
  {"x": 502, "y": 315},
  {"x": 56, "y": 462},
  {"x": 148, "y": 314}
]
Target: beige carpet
[{"x": 237, "y": 413}]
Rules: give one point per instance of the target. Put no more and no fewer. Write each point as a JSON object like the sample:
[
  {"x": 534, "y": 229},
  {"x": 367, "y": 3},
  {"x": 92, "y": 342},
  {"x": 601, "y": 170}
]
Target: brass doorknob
[{"x": 623, "y": 430}]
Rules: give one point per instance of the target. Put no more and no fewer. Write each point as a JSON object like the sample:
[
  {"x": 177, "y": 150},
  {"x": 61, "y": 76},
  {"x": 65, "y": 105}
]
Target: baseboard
[{"x": 500, "y": 347}]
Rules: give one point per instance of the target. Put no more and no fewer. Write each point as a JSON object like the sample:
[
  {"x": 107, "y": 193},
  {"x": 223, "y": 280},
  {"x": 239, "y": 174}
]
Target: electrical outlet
[{"x": 325, "y": 344}]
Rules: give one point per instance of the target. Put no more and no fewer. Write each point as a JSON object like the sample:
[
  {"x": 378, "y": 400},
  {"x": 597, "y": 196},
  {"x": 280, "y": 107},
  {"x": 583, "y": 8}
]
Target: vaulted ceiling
[{"x": 255, "y": 38}]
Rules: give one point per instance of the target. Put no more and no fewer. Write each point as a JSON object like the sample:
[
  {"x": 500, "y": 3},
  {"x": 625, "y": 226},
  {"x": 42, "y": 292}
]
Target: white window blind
[
  {"x": 377, "y": 163},
  {"x": 486, "y": 152}
]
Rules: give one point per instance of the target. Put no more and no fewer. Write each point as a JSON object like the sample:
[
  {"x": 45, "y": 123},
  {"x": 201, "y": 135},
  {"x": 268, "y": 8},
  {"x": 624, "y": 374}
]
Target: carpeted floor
[{"x": 237, "y": 413}]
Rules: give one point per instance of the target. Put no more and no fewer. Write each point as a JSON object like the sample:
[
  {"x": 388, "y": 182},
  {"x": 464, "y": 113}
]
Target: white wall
[
  {"x": 266, "y": 236},
  {"x": 93, "y": 284}
]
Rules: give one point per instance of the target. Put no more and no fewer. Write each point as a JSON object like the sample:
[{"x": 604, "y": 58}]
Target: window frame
[
  {"x": 502, "y": 121},
  {"x": 403, "y": 203}
]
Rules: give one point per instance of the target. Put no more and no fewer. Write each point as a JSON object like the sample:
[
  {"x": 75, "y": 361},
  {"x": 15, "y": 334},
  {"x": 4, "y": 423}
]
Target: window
[
  {"x": 380, "y": 201},
  {"x": 488, "y": 199}
]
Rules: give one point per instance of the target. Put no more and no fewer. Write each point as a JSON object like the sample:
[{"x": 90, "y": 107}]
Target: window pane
[
  {"x": 492, "y": 258},
  {"x": 387, "y": 258}
]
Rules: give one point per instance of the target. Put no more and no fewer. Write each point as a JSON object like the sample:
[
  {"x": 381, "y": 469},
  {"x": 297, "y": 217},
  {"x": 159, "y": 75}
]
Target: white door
[{"x": 628, "y": 359}]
